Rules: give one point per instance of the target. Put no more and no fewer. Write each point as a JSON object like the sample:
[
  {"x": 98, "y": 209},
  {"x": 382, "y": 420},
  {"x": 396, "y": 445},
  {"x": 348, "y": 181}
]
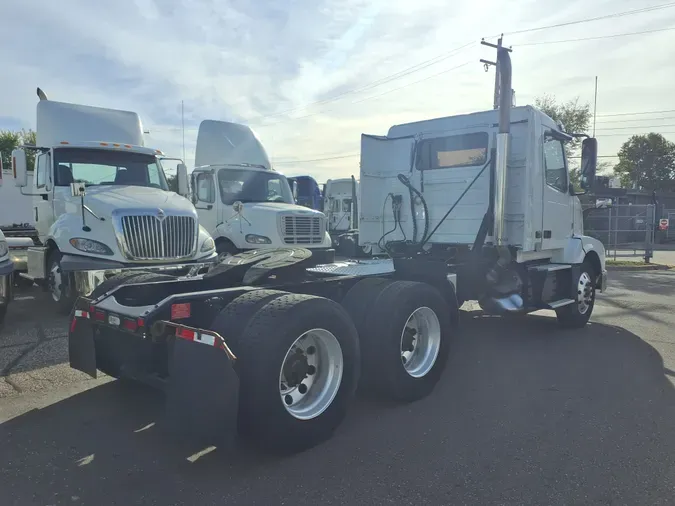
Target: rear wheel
[
  {"x": 576, "y": 315},
  {"x": 299, "y": 365},
  {"x": 225, "y": 247},
  {"x": 405, "y": 341}
]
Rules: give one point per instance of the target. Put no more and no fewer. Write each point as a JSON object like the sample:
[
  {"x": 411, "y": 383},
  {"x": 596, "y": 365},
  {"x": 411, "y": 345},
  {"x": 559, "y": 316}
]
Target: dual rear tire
[{"x": 300, "y": 357}]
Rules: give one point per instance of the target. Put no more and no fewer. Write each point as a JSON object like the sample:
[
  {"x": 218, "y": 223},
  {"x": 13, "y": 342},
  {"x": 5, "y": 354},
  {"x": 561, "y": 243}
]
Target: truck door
[
  {"x": 204, "y": 198},
  {"x": 43, "y": 201},
  {"x": 445, "y": 166},
  {"x": 557, "y": 211}
]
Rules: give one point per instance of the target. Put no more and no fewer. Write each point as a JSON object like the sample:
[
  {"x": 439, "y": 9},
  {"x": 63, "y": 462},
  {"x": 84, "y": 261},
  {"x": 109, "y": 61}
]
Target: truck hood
[
  {"x": 104, "y": 199},
  {"x": 270, "y": 207}
]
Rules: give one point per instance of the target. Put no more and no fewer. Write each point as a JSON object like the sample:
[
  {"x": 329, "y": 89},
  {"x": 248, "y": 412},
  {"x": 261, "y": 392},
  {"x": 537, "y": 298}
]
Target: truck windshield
[
  {"x": 95, "y": 167},
  {"x": 253, "y": 186}
]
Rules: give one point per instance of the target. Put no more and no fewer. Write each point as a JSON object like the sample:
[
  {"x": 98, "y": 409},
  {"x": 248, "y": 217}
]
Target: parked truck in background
[
  {"x": 470, "y": 207},
  {"x": 243, "y": 202},
  {"x": 101, "y": 202}
]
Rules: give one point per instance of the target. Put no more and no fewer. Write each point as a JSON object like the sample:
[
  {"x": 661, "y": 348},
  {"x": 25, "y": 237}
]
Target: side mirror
[
  {"x": 294, "y": 189},
  {"x": 19, "y": 167},
  {"x": 182, "y": 175},
  {"x": 589, "y": 162},
  {"x": 77, "y": 189}
]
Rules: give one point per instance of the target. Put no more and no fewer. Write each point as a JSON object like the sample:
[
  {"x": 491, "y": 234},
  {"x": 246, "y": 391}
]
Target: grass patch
[{"x": 637, "y": 264}]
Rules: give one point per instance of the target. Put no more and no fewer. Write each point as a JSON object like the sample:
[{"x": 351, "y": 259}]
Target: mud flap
[
  {"x": 81, "y": 348},
  {"x": 202, "y": 395}
]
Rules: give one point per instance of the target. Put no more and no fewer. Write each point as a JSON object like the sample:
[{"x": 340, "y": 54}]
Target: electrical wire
[{"x": 600, "y": 37}]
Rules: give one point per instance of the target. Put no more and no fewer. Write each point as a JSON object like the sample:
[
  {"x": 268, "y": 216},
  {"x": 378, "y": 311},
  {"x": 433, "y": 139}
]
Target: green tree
[
  {"x": 172, "y": 181},
  {"x": 10, "y": 140},
  {"x": 647, "y": 162},
  {"x": 576, "y": 118}
]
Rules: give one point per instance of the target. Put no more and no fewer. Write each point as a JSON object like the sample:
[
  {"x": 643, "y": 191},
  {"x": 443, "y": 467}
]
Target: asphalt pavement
[{"x": 525, "y": 414}]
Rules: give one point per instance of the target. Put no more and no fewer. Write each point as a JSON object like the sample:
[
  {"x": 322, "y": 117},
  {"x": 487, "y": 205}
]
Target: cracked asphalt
[{"x": 525, "y": 414}]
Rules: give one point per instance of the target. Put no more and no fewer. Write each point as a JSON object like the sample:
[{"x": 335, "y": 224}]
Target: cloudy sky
[{"x": 311, "y": 75}]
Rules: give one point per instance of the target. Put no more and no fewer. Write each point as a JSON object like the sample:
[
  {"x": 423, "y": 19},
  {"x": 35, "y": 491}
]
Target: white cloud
[{"x": 253, "y": 61}]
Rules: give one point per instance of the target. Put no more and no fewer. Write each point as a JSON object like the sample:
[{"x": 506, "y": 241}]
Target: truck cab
[
  {"x": 338, "y": 200},
  {"x": 242, "y": 201},
  {"x": 102, "y": 204}
]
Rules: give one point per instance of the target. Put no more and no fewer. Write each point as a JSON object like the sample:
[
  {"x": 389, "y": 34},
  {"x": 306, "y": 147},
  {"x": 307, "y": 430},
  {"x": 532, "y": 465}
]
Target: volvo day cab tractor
[
  {"x": 102, "y": 204},
  {"x": 274, "y": 344},
  {"x": 243, "y": 202}
]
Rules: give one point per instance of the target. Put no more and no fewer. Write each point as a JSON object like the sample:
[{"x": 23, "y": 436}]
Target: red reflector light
[
  {"x": 99, "y": 316},
  {"x": 179, "y": 311},
  {"x": 185, "y": 334},
  {"x": 140, "y": 322},
  {"x": 130, "y": 325}
]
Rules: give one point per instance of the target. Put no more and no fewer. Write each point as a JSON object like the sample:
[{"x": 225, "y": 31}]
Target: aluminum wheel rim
[
  {"x": 56, "y": 282},
  {"x": 420, "y": 342},
  {"x": 584, "y": 292},
  {"x": 309, "y": 390}
]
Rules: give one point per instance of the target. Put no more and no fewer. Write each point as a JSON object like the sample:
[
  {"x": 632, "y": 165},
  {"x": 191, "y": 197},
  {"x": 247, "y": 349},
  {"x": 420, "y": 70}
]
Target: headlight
[
  {"x": 208, "y": 245},
  {"x": 3, "y": 248},
  {"x": 258, "y": 239},
  {"x": 90, "y": 246}
]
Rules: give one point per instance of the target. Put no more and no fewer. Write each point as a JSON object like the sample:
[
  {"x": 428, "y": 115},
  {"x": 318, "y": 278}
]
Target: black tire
[
  {"x": 359, "y": 301},
  {"x": 384, "y": 373},
  {"x": 233, "y": 318},
  {"x": 107, "y": 358},
  {"x": 3, "y": 313},
  {"x": 572, "y": 316},
  {"x": 65, "y": 299},
  {"x": 226, "y": 247},
  {"x": 263, "y": 417},
  {"x": 21, "y": 282}
]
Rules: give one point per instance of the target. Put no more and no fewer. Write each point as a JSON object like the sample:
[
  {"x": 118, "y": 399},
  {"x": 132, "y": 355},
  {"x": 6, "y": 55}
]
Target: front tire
[
  {"x": 60, "y": 284},
  {"x": 299, "y": 365},
  {"x": 576, "y": 315}
]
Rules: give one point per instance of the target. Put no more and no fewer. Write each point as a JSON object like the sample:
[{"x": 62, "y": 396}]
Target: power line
[
  {"x": 631, "y": 134},
  {"x": 373, "y": 84},
  {"x": 594, "y": 38},
  {"x": 371, "y": 97},
  {"x": 293, "y": 162},
  {"x": 638, "y": 126},
  {"x": 637, "y": 119},
  {"x": 589, "y": 20},
  {"x": 635, "y": 113}
]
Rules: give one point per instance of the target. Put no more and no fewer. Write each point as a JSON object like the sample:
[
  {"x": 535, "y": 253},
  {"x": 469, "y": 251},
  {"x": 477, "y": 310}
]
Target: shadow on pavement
[
  {"x": 650, "y": 282},
  {"x": 525, "y": 414}
]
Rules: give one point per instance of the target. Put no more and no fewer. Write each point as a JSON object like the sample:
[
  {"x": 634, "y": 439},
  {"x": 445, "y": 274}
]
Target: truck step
[
  {"x": 549, "y": 267},
  {"x": 560, "y": 303}
]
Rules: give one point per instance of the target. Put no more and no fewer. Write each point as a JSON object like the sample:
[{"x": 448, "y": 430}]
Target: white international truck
[
  {"x": 243, "y": 202},
  {"x": 102, "y": 204},
  {"x": 470, "y": 207}
]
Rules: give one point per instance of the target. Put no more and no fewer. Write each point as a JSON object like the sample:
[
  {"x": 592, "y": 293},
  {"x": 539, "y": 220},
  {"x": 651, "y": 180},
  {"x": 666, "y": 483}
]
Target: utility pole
[
  {"x": 595, "y": 104},
  {"x": 488, "y": 63},
  {"x": 182, "y": 117}
]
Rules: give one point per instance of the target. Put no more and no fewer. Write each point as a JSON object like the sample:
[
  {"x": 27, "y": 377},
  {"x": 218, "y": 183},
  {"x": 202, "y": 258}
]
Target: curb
[{"x": 639, "y": 267}]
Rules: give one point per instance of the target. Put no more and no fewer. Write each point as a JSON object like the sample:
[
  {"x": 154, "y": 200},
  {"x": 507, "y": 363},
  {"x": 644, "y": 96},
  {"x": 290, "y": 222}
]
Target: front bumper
[{"x": 6, "y": 272}]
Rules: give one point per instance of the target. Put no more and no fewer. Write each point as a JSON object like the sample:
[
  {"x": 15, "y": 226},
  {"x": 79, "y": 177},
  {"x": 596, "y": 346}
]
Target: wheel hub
[
  {"x": 585, "y": 291},
  {"x": 311, "y": 374},
  {"x": 420, "y": 342},
  {"x": 55, "y": 282}
]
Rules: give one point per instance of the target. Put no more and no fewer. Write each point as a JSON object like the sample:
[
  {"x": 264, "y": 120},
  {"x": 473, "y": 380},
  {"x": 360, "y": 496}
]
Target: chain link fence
[{"x": 625, "y": 230}]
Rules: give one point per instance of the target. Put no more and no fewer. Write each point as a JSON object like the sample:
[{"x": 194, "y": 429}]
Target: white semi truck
[
  {"x": 243, "y": 202},
  {"x": 102, "y": 204},
  {"x": 471, "y": 207}
]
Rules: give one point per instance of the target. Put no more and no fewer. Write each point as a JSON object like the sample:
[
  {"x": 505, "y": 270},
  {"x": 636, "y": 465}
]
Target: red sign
[{"x": 180, "y": 311}]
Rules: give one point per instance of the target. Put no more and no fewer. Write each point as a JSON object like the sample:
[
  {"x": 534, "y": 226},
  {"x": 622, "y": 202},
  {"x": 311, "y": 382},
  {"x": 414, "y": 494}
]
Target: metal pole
[
  {"x": 595, "y": 104},
  {"x": 497, "y": 75},
  {"x": 182, "y": 117}
]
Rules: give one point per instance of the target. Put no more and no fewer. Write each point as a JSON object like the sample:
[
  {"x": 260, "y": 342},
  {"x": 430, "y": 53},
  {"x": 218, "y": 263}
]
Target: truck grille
[
  {"x": 302, "y": 229},
  {"x": 147, "y": 237}
]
